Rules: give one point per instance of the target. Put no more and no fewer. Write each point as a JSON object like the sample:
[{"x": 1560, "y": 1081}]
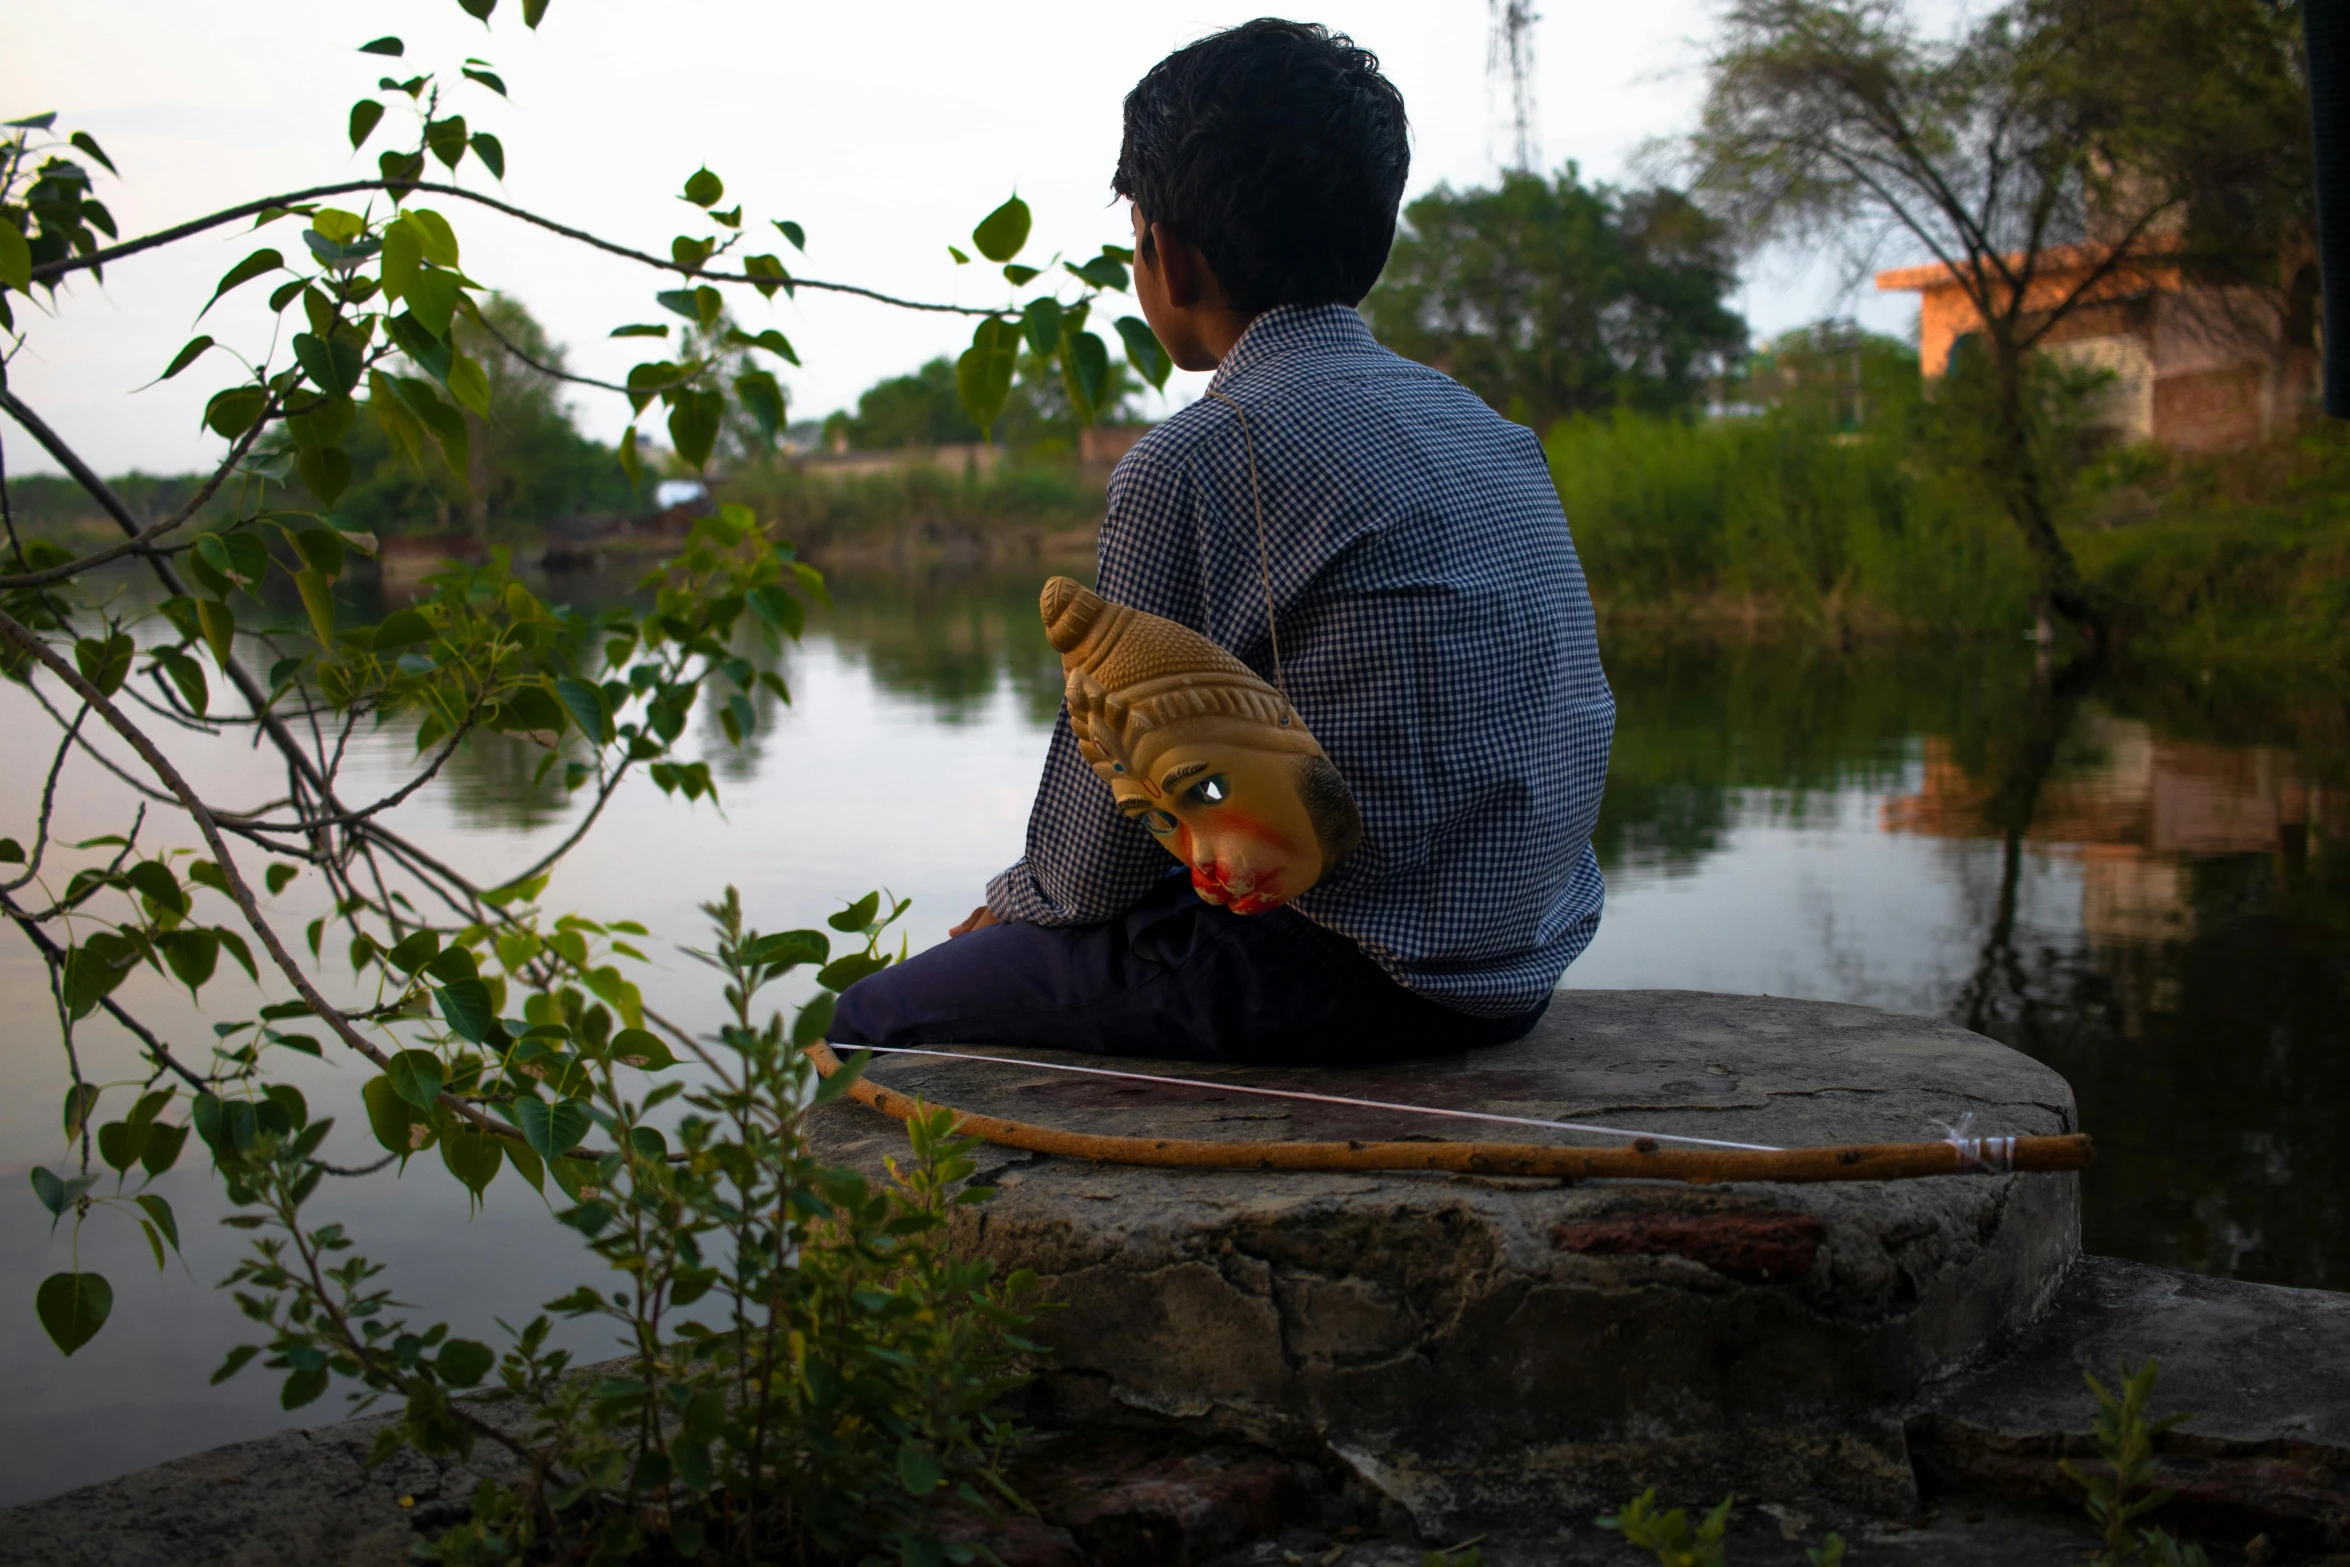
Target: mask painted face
[
  {"x": 1235, "y": 816},
  {"x": 1208, "y": 758}
]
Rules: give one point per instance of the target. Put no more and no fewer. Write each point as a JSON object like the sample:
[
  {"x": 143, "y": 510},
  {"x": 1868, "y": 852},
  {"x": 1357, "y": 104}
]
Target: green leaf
[
  {"x": 703, "y": 188},
  {"x": 466, "y": 1004},
  {"x": 231, "y": 413},
  {"x": 438, "y": 239},
  {"x": 160, "y": 1211},
  {"x": 1102, "y": 271},
  {"x": 220, "y": 629},
  {"x": 366, "y": 114},
  {"x": 93, "y": 969},
  {"x": 533, "y": 12},
  {"x": 469, "y": 384},
  {"x": 983, "y": 375},
  {"x": 586, "y": 705},
  {"x": 553, "y": 1130},
  {"x": 187, "y": 356},
  {"x": 73, "y": 1307},
  {"x": 192, "y": 955},
  {"x": 188, "y": 676},
  {"x": 318, "y": 599},
  {"x": 793, "y": 232},
  {"x": 813, "y": 1020},
  {"x": 763, "y": 269},
  {"x": 163, "y": 1148},
  {"x": 415, "y": 1075},
  {"x": 253, "y": 266},
  {"x": 841, "y": 973},
  {"x": 857, "y": 915},
  {"x": 105, "y": 664},
  {"x": 788, "y": 948},
  {"x": 331, "y": 362},
  {"x": 50, "y": 1190},
  {"x": 1144, "y": 351},
  {"x": 490, "y": 150},
  {"x": 11, "y": 852},
  {"x": 778, "y": 608},
  {"x": 390, "y": 46},
  {"x": 446, "y": 138},
  {"x": 302, "y": 1387},
  {"x": 402, "y": 628},
  {"x": 473, "y": 1157},
  {"x": 119, "y": 1143},
  {"x": 320, "y": 548},
  {"x": 1002, "y": 232},
  {"x": 154, "y": 881},
  {"x": 771, "y": 340},
  {"x": 403, "y": 255},
  {"x": 412, "y": 951},
  {"x": 701, "y": 305},
  {"x": 630, "y": 463},
  {"x": 1041, "y": 322},
  {"x": 636, "y": 1047},
  {"x": 463, "y": 1363},
  {"x": 243, "y": 1354},
  {"x": 694, "y": 419},
  {"x": 389, "y": 1115},
  {"x": 489, "y": 79},
  {"x": 1089, "y": 371},
  {"x": 640, "y": 329},
  {"x": 432, "y": 298},
  {"x": 90, "y": 144},
  {"x": 918, "y": 1469},
  {"x": 762, "y": 398},
  {"x": 16, "y": 258},
  {"x": 1019, "y": 276}
]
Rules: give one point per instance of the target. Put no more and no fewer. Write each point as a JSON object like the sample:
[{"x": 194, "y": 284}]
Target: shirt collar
[{"x": 1288, "y": 329}]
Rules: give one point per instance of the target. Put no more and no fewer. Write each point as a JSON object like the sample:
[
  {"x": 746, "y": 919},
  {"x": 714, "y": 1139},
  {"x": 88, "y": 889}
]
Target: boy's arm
[{"x": 1086, "y": 862}]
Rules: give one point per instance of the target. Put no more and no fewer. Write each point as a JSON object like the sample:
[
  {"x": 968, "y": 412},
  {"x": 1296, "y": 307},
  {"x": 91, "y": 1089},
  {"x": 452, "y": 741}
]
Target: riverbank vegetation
[{"x": 1850, "y": 504}]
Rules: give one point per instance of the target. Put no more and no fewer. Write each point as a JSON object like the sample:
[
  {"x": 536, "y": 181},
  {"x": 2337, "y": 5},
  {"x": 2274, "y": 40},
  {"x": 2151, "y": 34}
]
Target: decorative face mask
[{"x": 1209, "y": 758}]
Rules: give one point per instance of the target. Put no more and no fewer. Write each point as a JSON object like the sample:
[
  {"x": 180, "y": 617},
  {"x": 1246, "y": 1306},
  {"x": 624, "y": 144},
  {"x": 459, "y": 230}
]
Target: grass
[
  {"x": 2237, "y": 563},
  {"x": 1014, "y": 509}
]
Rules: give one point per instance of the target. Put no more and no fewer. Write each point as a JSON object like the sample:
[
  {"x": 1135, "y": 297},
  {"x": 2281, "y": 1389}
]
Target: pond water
[{"x": 2146, "y": 886}]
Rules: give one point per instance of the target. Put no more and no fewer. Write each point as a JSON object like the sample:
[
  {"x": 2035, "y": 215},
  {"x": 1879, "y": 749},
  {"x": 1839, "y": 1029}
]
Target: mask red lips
[{"x": 1242, "y": 895}]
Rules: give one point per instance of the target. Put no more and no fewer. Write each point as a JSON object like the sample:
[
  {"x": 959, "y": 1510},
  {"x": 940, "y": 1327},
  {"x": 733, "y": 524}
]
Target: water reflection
[{"x": 2146, "y": 886}]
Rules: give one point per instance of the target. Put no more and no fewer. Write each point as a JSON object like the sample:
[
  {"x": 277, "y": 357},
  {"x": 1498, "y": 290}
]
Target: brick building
[{"x": 2195, "y": 368}]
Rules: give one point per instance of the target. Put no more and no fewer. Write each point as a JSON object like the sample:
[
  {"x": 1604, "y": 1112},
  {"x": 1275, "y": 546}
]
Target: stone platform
[
  {"x": 1477, "y": 1348},
  {"x": 1259, "y": 1369}
]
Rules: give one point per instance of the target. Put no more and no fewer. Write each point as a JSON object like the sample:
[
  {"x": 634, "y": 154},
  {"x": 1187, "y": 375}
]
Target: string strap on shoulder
[{"x": 1256, "y": 496}]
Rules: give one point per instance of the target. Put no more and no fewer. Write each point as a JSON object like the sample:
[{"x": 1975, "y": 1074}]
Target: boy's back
[{"x": 1435, "y": 633}]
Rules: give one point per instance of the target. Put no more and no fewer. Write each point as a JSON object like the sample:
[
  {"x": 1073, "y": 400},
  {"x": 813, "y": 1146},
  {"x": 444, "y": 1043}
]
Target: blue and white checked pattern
[{"x": 1436, "y": 636}]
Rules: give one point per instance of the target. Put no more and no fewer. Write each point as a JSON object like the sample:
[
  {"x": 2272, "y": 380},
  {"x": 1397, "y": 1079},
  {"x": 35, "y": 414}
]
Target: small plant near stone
[
  {"x": 836, "y": 1389},
  {"x": 1676, "y": 1542},
  {"x": 2123, "y": 1491},
  {"x": 1669, "y": 1535}
]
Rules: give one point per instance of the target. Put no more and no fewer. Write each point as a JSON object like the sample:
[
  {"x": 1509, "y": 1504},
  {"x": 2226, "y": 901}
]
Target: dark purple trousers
[{"x": 1172, "y": 977}]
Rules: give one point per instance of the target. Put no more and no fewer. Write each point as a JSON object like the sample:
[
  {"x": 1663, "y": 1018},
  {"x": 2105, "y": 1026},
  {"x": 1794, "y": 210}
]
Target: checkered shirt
[{"x": 1436, "y": 637}]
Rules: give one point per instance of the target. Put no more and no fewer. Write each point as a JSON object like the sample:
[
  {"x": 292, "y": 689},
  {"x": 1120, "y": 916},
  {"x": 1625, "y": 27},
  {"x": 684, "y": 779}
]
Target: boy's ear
[{"x": 1190, "y": 280}]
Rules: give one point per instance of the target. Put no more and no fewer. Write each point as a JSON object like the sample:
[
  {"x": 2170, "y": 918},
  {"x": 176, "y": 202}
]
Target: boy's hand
[{"x": 980, "y": 919}]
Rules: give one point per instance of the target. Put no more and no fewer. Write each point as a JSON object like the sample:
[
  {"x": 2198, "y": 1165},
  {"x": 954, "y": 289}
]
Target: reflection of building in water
[{"x": 2135, "y": 813}]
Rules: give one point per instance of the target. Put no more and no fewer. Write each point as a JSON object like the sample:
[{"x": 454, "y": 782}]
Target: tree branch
[{"x": 50, "y": 271}]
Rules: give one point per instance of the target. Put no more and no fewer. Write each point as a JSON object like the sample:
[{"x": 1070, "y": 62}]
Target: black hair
[
  {"x": 1330, "y": 806},
  {"x": 1280, "y": 151}
]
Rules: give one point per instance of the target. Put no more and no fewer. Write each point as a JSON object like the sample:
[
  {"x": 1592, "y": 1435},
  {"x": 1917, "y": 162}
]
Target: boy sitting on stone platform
[{"x": 1414, "y": 594}]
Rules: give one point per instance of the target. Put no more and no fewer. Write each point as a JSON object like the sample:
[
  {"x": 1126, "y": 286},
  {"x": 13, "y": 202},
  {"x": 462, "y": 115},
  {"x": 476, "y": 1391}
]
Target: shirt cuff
[{"x": 1013, "y": 894}]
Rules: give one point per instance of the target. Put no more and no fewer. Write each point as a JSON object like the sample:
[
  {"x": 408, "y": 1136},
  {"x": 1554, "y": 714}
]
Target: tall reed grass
[{"x": 1780, "y": 516}]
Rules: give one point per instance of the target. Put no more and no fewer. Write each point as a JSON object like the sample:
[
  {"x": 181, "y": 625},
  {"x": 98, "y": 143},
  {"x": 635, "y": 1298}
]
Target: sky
[{"x": 887, "y": 131}]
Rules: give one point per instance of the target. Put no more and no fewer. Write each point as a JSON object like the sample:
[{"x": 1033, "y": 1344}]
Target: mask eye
[
  {"x": 1214, "y": 789},
  {"x": 1157, "y": 821}
]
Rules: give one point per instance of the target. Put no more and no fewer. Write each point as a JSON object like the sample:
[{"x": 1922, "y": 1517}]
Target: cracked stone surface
[{"x": 1473, "y": 1347}]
